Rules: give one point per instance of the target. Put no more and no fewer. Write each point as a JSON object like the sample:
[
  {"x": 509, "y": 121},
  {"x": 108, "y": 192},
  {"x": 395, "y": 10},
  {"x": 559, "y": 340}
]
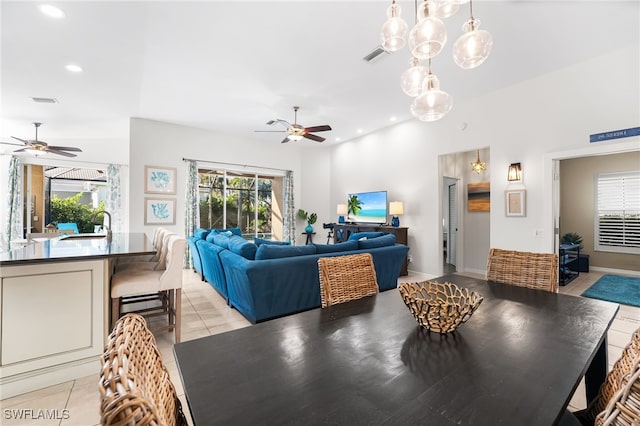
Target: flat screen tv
[{"x": 372, "y": 207}]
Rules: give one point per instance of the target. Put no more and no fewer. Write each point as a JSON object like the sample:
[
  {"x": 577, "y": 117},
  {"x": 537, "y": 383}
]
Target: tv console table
[{"x": 342, "y": 232}]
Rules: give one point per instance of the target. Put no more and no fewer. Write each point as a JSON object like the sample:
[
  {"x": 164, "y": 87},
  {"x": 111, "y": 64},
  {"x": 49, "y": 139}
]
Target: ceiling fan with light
[
  {"x": 295, "y": 131},
  {"x": 37, "y": 147}
]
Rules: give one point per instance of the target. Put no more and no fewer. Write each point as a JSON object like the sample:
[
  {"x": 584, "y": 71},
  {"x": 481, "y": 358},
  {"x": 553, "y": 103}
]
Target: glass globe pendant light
[
  {"x": 429, "y": 35},
  {"x": 411, "y": 80},
  {"x": 393, "y": 35},
  {"x": 433, "y": 103},
  {"x": 474, "y": 46},
  {"x": 447, "y": 8}
]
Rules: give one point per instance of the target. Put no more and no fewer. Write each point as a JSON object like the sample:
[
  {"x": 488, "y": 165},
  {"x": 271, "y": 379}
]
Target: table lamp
[
  {"x": 395, "y": 209},
  {"x": 342, "y": 212}
]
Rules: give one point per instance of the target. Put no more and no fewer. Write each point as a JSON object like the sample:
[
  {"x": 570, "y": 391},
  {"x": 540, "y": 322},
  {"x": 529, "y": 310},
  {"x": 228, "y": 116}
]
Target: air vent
[
  {"x": 45, "y": 100},
  {"x": 374, "y": 54}
]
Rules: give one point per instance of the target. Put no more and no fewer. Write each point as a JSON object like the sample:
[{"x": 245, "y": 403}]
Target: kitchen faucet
[{"x": 109, "y": 234}]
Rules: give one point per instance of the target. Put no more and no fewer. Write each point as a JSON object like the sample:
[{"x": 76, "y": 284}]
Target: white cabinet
[{"x": 52, "y": 323}]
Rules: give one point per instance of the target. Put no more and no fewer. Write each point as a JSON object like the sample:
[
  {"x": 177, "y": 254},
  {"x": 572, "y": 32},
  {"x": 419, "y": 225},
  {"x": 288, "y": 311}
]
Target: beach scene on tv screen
[{"x": 373, "y": 207}]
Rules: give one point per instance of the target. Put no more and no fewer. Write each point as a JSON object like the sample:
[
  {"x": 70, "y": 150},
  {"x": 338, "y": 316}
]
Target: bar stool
[
  {"x": 140, "y": 285},
  {"x": 157, "y": 262},
  {"x": 156, "y": 241}
]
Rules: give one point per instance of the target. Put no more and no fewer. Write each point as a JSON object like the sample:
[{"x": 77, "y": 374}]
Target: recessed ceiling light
[
  {"x": 359, "y": 130},
  {"x": 338, "y": 139},
  {"x": 393, "y": 118},
  {"x": 51, "y": 11},
  {"x": 73, "y": 68}
]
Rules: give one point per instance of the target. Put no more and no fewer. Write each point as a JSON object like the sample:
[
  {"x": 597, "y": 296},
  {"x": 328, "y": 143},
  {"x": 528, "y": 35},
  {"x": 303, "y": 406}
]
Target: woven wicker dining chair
[
  {"x": 345, "y": 278},
  {"x": 525, "y": 269},
  {"x": 624, "y": 407},
  {"x": 135, "y": 387},
  {"x": 613, "y": 382}
]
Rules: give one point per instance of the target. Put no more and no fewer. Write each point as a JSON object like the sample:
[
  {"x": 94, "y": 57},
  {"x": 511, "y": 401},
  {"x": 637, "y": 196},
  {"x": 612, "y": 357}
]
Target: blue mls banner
[{"x": 616, "y": 134}]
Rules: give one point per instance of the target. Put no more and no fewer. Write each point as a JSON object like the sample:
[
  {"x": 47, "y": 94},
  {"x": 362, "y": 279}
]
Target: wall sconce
[
  {"x": 395, "y": 209},
  {"x": 342, "y": 211},
  {"x": 515, "y": 172}
]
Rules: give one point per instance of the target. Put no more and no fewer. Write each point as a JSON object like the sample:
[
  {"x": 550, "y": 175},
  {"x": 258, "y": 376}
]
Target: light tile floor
[{"x": 205, "y": 313}]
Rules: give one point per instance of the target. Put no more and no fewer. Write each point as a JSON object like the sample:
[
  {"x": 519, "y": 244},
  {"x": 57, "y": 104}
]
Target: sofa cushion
[
  {"x": 260, "y": 241},
  {"x": 234, "y": 231},
  {"x": 244, "y": 248},
  {"x": 334, "y": 248},
  {"x": 270, "y": 251},
  {"x": 201, "y": 234},
  {"x": 218, "y": 239},
  {"x": 366, "y": 235},
  {"x": 383, "y": 241}
]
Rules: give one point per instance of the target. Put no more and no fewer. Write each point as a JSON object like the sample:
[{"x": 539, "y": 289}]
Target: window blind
[{"x": 618, "y": 212}]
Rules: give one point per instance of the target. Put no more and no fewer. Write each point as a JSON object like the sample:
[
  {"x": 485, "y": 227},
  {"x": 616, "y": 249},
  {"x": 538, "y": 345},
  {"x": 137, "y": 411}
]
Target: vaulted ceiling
[{"x": 232, "y": 66}]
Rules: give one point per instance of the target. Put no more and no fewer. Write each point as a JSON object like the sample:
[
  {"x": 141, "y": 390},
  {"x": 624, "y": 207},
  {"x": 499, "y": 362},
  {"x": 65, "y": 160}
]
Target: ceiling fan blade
[
  {"x": 285, "y": 140},
  {"x": 64, "y": 148},
  {"x": 278, "y": 120},
  {"x": 20, "y": 150},
  {"x": 21, "y": 140},
  {"x": 14, "y": 144},
  {"x": 314, "y": 137},
  {"x": 66, "y": 154},
  {"x": 323, "y": 128}
]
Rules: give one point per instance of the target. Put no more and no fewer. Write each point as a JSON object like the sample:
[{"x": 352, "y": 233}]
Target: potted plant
[
  {"x": 310, "y": 218},
  {"x": 571, "y": 238}
]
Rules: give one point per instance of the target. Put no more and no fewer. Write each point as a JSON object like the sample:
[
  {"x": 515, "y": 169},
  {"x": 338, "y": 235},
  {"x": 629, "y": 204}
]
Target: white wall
[
  {"x": 155, "y": 143},
  {"x": 525, "y": 123}
]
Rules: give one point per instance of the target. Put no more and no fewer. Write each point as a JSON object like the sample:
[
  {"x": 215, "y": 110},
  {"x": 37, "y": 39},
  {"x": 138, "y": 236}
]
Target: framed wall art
[
  {"x": 159, "y": 180},
  {"x": 478, "y": 197},
  {"x": 515, "y": 202},
  {"x": 159, "y": 211}
]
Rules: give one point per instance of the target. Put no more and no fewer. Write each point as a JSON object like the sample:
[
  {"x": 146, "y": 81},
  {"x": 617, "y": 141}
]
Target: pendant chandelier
[
  {"x": 478, "y": 166},
  {"x": 426, "y": 40}
]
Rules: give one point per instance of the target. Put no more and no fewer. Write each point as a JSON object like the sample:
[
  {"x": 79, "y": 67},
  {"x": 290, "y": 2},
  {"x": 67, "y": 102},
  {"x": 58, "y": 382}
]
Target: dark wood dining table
[{"x": 517, "y": 361}]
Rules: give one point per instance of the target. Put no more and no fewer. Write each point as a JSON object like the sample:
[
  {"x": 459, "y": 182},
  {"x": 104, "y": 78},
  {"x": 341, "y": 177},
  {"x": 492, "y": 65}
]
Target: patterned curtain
[
  {"x": 289, "y": 209},
  {"x": 192, "y": 210},
  {"x": 114, "y": 197},
  {"x": 13, "y": 226}
]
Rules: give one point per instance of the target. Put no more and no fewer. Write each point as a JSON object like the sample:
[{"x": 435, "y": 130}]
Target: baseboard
[
  {"x": 482, "y": 272},
  {"x": 421, "y": 274},
  {"x": 615, "y": 271}
]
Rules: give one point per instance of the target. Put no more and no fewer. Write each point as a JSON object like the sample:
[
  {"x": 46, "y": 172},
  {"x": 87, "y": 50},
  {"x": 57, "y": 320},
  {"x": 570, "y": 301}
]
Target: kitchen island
[{"x": 54, "y": 307}]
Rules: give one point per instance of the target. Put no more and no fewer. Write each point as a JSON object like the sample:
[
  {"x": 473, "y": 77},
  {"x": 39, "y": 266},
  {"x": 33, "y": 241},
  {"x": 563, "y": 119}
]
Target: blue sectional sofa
[{"x": 264, "y": 280}]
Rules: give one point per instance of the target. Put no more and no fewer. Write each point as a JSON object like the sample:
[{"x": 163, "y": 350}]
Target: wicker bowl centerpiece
[{"x": 440, "y": 307}]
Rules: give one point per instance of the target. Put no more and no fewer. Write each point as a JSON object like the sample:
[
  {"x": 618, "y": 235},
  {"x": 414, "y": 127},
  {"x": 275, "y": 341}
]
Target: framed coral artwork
[
  {"x": 159, "y": 180},
  {"x": 159, "y": 211}
]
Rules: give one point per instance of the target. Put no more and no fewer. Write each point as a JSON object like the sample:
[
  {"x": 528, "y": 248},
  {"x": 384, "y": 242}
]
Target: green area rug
[{"x": 616, "y": 288}]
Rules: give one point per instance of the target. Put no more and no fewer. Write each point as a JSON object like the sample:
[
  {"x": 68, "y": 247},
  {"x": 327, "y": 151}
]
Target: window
[
  {"x": 617, "y": 220},
  {"x": 249, "y": 201}
]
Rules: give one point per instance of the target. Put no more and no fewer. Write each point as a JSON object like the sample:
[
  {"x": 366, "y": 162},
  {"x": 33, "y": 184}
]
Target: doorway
[{"x": 450, "y": 225}]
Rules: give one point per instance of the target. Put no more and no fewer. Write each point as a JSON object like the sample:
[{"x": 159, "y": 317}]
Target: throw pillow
[
  {"x": 366, "y": 235},
  {"x": 269, "y": 251},
  {"x": 234, "y": 231},
  {"x": 242, "y": 247},
  {"x": 383, "y": 241},
  {"x": 334, "y": 248},
  {"x": 201, "y": 234},
  {"x": 221, "y": 240},
  {"x": 260, "y": 241}
]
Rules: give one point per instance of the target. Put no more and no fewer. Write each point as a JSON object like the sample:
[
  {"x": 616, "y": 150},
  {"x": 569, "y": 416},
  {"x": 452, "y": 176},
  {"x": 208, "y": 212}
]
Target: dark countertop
[{"x": 65, "y": 249}]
